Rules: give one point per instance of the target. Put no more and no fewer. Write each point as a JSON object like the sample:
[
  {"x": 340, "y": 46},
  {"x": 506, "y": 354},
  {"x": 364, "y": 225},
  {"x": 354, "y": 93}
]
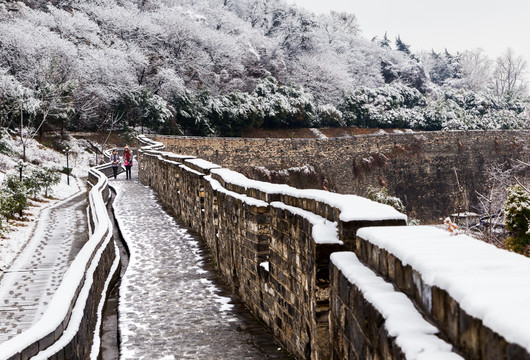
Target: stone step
[{"x": 372, "y": 320}]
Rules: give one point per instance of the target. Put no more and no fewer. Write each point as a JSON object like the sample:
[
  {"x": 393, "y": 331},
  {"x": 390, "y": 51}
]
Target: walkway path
[
  {"x": 28, "y": 285},
  {"x": 170, "y": 306}
]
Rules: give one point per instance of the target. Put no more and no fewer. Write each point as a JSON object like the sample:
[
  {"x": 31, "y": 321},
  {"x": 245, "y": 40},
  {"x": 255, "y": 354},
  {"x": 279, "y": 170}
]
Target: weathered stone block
[
  {"x": 30, "y": 351},
  {"x": 492, "y": 346},
  {"x": 469, "y": 334}
]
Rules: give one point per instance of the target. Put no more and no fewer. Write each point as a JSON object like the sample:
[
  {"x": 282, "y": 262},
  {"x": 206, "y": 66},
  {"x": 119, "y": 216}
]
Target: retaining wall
[
  {"x": 271, "y": 242},
  {"x": 66, "y": 329},
  {"x": 424, "y": 168}
]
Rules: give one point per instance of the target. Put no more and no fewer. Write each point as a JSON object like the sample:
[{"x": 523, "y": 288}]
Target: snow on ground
[
  {"x": 38, "y": 156},
  {"x": 187, "y": 313},
  {"x": 31, "y": 281},
  {"x": 19, "y": 233},
  {"x": 489, "y": 283}
]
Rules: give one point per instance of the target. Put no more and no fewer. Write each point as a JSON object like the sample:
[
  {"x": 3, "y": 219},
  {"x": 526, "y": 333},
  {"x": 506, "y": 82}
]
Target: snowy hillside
[
  {"x": 217, "y": 67},
  {"x": 16, "y": 232}
]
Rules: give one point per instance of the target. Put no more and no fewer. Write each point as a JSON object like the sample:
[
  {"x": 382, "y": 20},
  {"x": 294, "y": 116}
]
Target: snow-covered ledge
[
  {"x": 150, "y": 145},
  {"x": 475, "y": 293},
  {"x": 371, "y": 300},
  {"x": 67, "y": 325}
]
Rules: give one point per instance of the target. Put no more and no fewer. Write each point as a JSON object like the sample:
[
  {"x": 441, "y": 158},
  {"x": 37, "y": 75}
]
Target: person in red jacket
[{"x": 127, "y": 161}]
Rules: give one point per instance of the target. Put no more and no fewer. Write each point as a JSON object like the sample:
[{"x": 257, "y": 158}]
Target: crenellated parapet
[{"x": 471, "y": 292}]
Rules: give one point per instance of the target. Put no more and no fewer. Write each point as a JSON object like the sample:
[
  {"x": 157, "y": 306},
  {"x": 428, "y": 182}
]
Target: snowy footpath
[
  {"x": 27, "y": 286},
  {"x": 170, "y": 306}
]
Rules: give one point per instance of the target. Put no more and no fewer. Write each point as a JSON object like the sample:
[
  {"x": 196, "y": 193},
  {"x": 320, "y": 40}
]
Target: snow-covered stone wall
[
  {"x": 420, "y": 168},
  {"x": 66, "y": 329},
  {"x": 403, "y": 280},
  {"x": 272, "y": 243}
]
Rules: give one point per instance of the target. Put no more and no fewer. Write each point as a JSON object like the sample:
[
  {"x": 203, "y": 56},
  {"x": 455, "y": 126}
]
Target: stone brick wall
[
  {"x": 266, "y": 253},
  {"x": 299, "y": 274},
  {"x": 420, "y": 168},
  {"x": 263, "y": 243}
]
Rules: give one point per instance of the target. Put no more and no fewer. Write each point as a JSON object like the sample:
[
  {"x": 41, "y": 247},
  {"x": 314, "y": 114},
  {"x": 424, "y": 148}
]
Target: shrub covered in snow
[
  {"x": 14, "y": 193},
  {"x": 13, "y": 196},
  {"x": 45, "y": 178},
  {"x": 397, "y": 105},
  {"x": 269, "y": 105},
  {"x": 328, "y": 116},
  {"x": 517, "y": 217},
  {"x": 382, "y": 196}
]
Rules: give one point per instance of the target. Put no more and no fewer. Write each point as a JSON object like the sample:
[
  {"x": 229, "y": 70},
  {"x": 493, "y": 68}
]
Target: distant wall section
[{"x": 421, "y": 168}]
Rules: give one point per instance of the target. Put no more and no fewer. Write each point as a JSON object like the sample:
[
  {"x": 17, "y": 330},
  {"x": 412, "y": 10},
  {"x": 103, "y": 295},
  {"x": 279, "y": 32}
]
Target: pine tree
[
  {"x": 401, "y": 46},
  {"x": 385, "y": 43}
]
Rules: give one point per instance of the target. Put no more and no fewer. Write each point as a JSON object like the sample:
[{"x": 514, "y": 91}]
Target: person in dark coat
[
  {"x": 115, "y": 160},
  {"x": 127, "y": 161}
]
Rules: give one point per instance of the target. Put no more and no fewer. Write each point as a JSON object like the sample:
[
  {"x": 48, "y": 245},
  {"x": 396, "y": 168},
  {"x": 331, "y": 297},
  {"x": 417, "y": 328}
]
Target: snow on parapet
[
  {"x": 352, "y": 207},
  {"x": 151, "y": 144},
  {"x": 324, "y": 231},
  {"x": 413, "y": 334},
  {"x": 488, "y": 283},
  {"x": 216, "y": 186},
  {"x": 176, "y": 157},
  {"x": 187, "y": 168},
  {"x": 203, "y": 164}
]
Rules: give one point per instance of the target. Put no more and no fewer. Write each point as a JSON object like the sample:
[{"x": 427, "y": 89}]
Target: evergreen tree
[
  {"x": 401, "y": 46},
  {"x": 517, "y": 217},
  {"x": 385, "y": 43}
]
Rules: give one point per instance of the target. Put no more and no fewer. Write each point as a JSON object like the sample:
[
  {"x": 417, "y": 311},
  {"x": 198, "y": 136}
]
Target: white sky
[{"x": 457, "y": 25}]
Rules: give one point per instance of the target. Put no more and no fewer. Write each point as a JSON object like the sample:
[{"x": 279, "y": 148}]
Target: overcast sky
[{"x": 457, "y": 25}]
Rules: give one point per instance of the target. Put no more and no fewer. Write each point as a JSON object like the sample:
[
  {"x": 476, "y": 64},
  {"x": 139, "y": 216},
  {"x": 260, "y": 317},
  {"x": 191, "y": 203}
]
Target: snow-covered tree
[
  {"x": 509, "y": 74},
  {"x": 194, "y": 57},
  {"x": 473, "y": 71},
  {"x": 441, "y": 67},
  {"x": 517, "y": 215}
]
